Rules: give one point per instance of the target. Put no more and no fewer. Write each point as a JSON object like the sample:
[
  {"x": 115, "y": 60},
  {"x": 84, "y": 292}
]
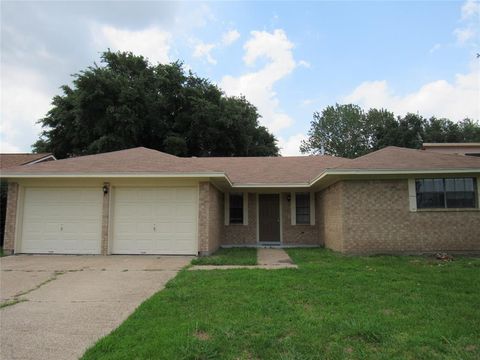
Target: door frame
[{"x": 280, "y": 208}]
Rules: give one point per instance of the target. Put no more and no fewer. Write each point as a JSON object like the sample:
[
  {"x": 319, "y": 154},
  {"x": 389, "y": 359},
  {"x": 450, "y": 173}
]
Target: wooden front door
[{"x": 269, "y": 217}]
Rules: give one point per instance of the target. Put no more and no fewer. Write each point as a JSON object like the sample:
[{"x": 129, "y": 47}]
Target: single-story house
[{"x": 142, "y": 201}]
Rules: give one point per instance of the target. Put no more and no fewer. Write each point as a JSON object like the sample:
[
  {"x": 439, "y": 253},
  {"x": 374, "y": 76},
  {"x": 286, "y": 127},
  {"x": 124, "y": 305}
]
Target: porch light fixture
[
  {"x": 289, "y": 198},
  {"x": 105, "y": 189}
]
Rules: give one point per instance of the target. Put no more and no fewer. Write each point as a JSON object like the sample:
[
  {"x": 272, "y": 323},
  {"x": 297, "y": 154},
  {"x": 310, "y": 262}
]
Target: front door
[{"x": 269, "y": 217}]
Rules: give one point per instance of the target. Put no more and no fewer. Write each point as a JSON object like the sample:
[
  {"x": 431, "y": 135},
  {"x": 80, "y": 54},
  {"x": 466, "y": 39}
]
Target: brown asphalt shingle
[
  {"x": 249, "y": 170},
  {"x": 397, "y": 158},
  {"x": 12, "y": 160},
  {"x": 275, "y": 170}
]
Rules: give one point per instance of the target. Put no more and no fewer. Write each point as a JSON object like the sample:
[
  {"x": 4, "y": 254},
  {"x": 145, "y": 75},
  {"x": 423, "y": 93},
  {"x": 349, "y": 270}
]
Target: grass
[
  {"x": 230, "y": 256},
  {"x": 332, "y": 307},
  {"x": 2, "y": 254},
  {"x": 11, "y": 302}
]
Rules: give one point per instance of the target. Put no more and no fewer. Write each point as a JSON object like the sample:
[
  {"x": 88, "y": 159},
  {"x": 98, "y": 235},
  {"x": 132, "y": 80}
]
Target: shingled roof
[
  {"x": 397, "y": 158},
  {"x": 300, "y": 170},
  {"x": 9, "y": 160}
]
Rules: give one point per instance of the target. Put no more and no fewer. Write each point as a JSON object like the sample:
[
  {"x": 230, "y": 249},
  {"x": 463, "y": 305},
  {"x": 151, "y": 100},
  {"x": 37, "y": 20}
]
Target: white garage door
[
  {"x": 62, "y": 220},
  {"x": 155, "y": 220}
]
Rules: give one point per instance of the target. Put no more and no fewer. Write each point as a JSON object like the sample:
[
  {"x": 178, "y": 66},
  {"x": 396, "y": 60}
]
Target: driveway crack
[{"x": 20, "y": 297}]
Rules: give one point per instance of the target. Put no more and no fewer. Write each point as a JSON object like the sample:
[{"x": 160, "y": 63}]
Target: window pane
[
  {"x": 236, "y": 208},
  {"x": 459, "y": 184},
  {"x": 430, "y": 193},
  {"x": 302, "y": 202},
  {"x": 460, "y": 193},
  {"x": 469, "y": 184},
  {"x": 450, "y": 184}
]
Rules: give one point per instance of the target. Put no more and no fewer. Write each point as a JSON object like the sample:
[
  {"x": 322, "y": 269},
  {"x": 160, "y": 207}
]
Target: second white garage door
[{"x": 155, "y": 220}]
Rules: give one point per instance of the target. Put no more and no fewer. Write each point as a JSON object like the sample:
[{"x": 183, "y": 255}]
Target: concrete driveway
[{"x": 71, "y": 301}]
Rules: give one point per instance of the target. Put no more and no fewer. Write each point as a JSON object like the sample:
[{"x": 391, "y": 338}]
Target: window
[
  {"x": 236, "y": 208},
  {"x": 302, "y": 208},
  {"x": 445, "y": 193}
]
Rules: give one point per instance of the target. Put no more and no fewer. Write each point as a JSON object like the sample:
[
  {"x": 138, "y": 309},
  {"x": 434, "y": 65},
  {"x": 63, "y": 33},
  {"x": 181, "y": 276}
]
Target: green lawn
[
  {"x": 332, "y": 307},
  {"x": 233, "y": 256}
]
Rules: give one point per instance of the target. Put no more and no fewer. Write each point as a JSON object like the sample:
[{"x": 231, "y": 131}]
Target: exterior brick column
[
  {"x": 105, "y": 219},
  {"x": 203, "y": 217},
  {"x": 10, "y": 219}
]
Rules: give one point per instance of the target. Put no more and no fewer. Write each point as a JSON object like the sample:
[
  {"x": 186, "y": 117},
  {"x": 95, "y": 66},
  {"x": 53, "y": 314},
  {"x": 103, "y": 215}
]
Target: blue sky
[{"x": 288, "y": 58}]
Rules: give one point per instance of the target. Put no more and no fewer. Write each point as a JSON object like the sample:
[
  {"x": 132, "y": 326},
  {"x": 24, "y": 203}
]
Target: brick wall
[
  {"x": 297, "y": 234},
  {"x": 216, "y": 219},
  {"x": 210, "y": 218},
  {"x": 10, "y": 219},
  {"x": 377, "y": 219},
  {"x": 330, "y": 216},
  {"x": 238, "y": 234}
]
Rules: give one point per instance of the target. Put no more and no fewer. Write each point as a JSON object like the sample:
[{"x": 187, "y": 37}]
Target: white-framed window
[
  {"x": 302, "y": 208},
  {"x": 444, "y": 193},
  {"x": 236, "y": 208}
]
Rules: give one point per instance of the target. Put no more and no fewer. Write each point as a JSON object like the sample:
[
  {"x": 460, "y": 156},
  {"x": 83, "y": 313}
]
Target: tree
[
  {"x": 342, "y": 130},
  {"x": 128, "y": 102},
  {"x": 347, "y": 131}
]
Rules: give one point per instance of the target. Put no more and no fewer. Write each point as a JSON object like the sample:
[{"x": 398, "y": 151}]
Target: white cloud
[
  {"x": 257, "y": 86},
  {"x": 291, "y": 146},
  {"x": 470, "y": 9},
  {"x": 305, "y": 64},
  {"x": 153, "y": 43},
  {"x": 454, "y": 100},
  {"x": 24, "y": 99},
  {"x": 204, "y": 50},
  {"x": 470, "y": 12},
  {"x": 230, "y": 37},
  {"x": 464, "y": 34}
]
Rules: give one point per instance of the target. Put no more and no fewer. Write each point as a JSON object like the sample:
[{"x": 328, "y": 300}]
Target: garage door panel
[
  {"x": 186, "y": 195},
  {"x": 62, "y": 220},
  {"x": 153, "y": 220},
  {"x": 184, "y": 213},
  {"x": 163, "y": 211}
]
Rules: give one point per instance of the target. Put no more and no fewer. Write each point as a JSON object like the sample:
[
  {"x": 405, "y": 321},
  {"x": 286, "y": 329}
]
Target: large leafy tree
[
  {"x": 348, "y": 131},
  {"x": 344, "y": 130},
  {"x": 127, "y": 102}
]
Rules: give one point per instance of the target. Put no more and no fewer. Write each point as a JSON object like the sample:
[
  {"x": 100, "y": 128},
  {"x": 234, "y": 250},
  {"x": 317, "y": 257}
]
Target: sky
[{"x": 290, "y": 59}]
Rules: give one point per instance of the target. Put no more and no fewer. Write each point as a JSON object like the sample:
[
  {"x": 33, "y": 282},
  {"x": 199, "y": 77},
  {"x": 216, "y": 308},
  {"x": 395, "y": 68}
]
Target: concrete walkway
[
  {"x": 270, "y": 258},
  {"x": 69, "y": 302}
]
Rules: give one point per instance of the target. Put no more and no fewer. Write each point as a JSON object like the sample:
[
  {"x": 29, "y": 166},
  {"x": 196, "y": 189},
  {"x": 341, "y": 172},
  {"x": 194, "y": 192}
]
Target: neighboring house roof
[
  {"x": 472, "y": 144},
  {"x": 249, "y": 171},
  {"x": 10, "y": 160},
  {"x": 472, "y": 149}
]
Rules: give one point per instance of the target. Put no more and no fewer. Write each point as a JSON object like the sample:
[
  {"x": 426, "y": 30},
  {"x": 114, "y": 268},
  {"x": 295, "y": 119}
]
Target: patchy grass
[
  {"x": 230, "y": 256},
  {"x": 2, "y": 254},
  {"x": 332, "y": 307},
  {"x": 11, "y": 302}
]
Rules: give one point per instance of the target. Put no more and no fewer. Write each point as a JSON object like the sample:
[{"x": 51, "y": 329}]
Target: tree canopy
[
  {"x": 348, "y": 131},
  {"x": 128, "y": 102}
]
